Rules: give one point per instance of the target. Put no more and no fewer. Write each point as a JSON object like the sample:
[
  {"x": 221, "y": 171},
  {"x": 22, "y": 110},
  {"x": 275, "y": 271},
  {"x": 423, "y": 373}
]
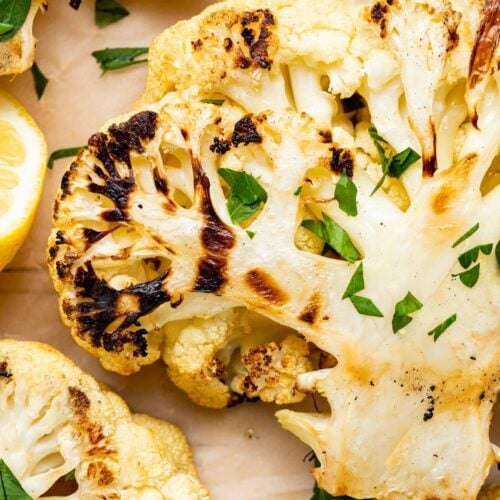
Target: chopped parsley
[
  {"x": 393, "y": 165},
  {"x": 345, "y": 194},
  {"x": 215, "y": 102},
  {"x": 497, "y": 253},
  {"x": 403, "y": 309},
  {"x": 365, "y": 306},
  {"x": 334, "y": 236},
  {"x": 469, "y": 278},
  {"x": 39, "y": 79},
  {"x": 471, "y": 256},
  {"x": 13, "y": 13},
  {"x": 10, "y": 487},
  {"x": 117, "y": 58},
  {"x": 246, "y": 194},
  {"x": 251, "y": 234},
  {"x": 297, "y": 191},
  {"x": 466, "y": 235},
  {"x": 63, "y": 153},
  {"x": 356, "y": 284},
  {"x": 108, "y": 12},
  {"x": 441, "y": 328}
]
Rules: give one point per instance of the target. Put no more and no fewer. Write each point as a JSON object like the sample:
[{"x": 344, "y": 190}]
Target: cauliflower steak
[
  {"x": 70, "y": 422},
  {"x": 305, "y": 176}
]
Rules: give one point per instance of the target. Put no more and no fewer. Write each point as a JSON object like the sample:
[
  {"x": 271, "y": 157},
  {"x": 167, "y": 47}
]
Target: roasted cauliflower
[
  {"x": 55, "y": 419},
  {"x": 329, "y": 168},
  {"x": 17, "y": 43}
]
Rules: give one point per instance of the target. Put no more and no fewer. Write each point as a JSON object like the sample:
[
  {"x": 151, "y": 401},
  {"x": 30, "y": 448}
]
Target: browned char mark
[
  {"x": 311, "y": 311},
  {"x": 216, "y": 238},
  {"x": 342, "y": 161},
  {"x": 245, "y": 132},
  {"x": 100, "y": 305},
  {"x": 4, "y": 370},
  {"x": 265, "y": 286}
]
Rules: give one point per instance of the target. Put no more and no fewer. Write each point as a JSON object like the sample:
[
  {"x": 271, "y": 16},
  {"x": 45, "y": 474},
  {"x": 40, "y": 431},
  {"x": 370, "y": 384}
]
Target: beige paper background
[{"x": 76, "y": 102}]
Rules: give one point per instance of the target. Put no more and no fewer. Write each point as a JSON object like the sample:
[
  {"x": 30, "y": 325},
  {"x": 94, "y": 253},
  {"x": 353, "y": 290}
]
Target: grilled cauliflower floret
[
  {"x": 71, "y": 422},
  {"x": 155, "y": 225},
  {"x": 218, "y": 360},
  {"x": 17, "y": 49}
]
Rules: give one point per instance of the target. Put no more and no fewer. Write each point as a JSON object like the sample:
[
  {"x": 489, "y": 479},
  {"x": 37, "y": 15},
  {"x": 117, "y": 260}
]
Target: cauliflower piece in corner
[
  {"x": 220, "y": 359},
  {"x": 73, "y": 423}
]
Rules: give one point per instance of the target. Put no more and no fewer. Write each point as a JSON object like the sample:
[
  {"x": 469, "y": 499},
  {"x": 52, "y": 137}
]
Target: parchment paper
[{"x": 77, "y": 101}]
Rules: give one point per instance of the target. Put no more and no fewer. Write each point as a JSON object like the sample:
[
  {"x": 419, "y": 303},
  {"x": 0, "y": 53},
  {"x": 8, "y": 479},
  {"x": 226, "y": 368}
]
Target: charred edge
[
  {"x": 261, "y": 283},
  {"x": 185, "y": 134},
  {"x": 197, "y": 44},
  {"x": 93, "y": 236},
  {"x": 52, "y": 253},
  {"x": 79, "y": 402},
  {"x": 342, "y": 161},
  {"x": 429, "y": 161},
  {"x": 485, "y": 45},
  {"x": 4, "y": 370},
  {"x": 245, "y": 132},
  {"x": 228, "y": 44},
  {"x": 452, "y": 21},
  {"x": 326, "y": 136},
  {"x": 220, "y": 145},
  {"x": 177, "y": 302},
  {"x": 160, "y": 182},
  {"x": 99, "y": 307},
  {"x": 311, "y": 312},
  {"x": 216, "y": 238},
  {"x": 60, "y": 238},
  {"x": 377, "y": 15}
]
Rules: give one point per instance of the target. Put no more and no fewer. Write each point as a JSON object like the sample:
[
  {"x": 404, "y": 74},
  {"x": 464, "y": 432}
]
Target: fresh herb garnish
[
  {"x": 297, "y": 191},
  {"x": 404, "y": 308},
  {"x": 497, "y": 253},
  {"x": 215, "y": 102},
  {"x": 345, "y": 194},
  {"x": 13, "y": 13},
  {"x": 63, "y": 153},
  {"x": 392, "y": 165},
  {"x": 334, "y": 236},
  {"x": 70, "y": 475},
  {"x": 469, "y": 257},
  {"x": 246, "y": 194},
  {"x": 251, "y": 234},
  {"x": 469, "y": 278},
  {"x": 440, "y": 329},
  {"x": 39, "y": 79},
  {"x": 117, "y": 58},
  {"x": 466, "y": 235},
  {"x": 108, "y": 12},
  {"x": 356, "y": 284},
  {"x": 10, "y": 487},
  {"x": 365, "y": 306}
]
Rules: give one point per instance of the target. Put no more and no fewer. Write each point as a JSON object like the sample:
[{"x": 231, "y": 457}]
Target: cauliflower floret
[
  {"x": 491, "y": 492},
  {"x": 72, "y": 423},
  {"x": 17, "y": 49},
  {"x": 218, "y": 360},
  {"x": 410, "y": 328}
]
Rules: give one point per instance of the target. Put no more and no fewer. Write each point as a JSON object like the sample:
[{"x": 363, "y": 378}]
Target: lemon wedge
[{"x": 23, "y": 160}]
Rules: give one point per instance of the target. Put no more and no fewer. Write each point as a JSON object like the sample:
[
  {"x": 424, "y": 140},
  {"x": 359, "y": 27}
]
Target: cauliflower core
[
  {"x": 55, "y": 419},
  {"x": 152, "y": 258}
]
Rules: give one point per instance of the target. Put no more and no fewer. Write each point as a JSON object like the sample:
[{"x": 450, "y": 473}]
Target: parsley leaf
[
  {"x": 70, "y": 475},
  {"x": 215, "y": 102},
  {"x": 469, "y": 257},
  {"x": 117, "y": 58},
  {"x": 468, "y": 234},
  {"x": 332, "y": 234},
  {"x": 10, "y": 488},
  {"x": 469, "y": 278},
  {"x": 441, "y": 328},
  {"x": 13, "y": 13},
  {"x": 497, "y": 253},
  {"x": 108, "y": 12},
  {"x": 345, "y": 193},
  {"x": 251, "y": 234},
  {"x": 63, "y": 153},
  {"x": 365, "y": 306},
  {"x": 392, "y": 165},
  {"x": 356, "y": 284},
  {"x": 297, "y": 191},
  {"x": 403, "y": 309},
  {"x": 39, "y": 79},
  {"x": 246, "y": 194}
]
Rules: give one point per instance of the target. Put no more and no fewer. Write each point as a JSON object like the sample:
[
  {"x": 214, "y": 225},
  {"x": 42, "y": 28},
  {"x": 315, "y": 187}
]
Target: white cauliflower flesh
[
  {"x": 17, "y": 44},
  {"x": 203, "y": 203},
  {"x": 56, "y": 419}
]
